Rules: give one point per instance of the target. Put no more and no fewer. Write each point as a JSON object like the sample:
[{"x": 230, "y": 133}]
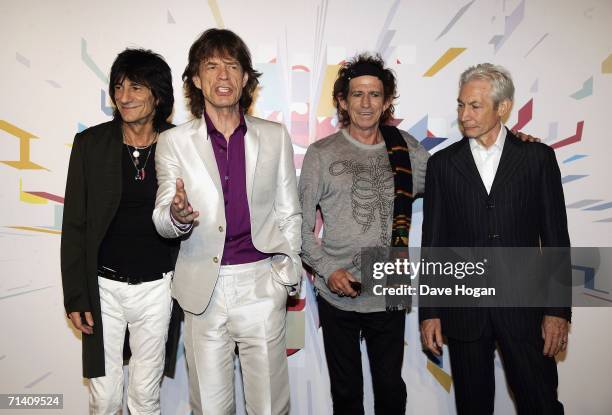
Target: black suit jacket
[
  {"x": 525, "y": 208},
  {"x": 93, "y": 193}
]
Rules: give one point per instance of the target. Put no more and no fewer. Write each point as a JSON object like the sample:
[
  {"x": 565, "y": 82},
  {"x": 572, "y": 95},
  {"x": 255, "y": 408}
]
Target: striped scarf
[{"x": 399, "y": 158}]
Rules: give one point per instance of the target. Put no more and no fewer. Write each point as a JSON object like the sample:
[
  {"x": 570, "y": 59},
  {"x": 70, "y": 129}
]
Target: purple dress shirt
[{"x": 239, "y": 248}]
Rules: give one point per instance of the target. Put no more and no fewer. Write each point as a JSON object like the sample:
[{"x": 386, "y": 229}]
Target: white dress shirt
[{"x": 487, "y": 159}]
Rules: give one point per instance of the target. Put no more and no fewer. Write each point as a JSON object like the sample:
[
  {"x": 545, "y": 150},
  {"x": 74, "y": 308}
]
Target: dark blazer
[
  {"x": 525, "y": 208},
  {"x": 93, "y": 193}
]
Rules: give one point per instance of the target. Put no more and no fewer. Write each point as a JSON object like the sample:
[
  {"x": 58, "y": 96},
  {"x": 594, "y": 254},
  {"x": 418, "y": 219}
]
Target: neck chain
[{"x": 135, "y": 154}]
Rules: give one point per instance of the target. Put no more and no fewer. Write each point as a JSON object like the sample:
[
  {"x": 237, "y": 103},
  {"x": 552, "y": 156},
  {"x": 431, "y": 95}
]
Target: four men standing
[{"x": 227, "y": 189}]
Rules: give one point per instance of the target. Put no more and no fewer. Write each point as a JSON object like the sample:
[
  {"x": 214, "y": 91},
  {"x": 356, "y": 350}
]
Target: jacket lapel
[
  {"x": 510, "y": 160},
  {"x": 251, "y": 154},
  {"x": 464, "y": 162},
  {"x": 203, "y": 146}
]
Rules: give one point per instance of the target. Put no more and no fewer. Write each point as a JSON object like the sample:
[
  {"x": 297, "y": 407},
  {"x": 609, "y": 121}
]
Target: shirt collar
[
  {"x": 497, "y": 146},
  {"x": 212, "y": 130}
]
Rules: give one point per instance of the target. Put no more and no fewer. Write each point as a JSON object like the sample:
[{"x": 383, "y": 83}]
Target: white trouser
[
  {"x": 247, "y": 308},
  {"x": 145, "y": 308}
]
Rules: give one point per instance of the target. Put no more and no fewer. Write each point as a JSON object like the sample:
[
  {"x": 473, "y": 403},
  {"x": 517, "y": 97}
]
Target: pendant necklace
[{"x": 135, "y": 156}]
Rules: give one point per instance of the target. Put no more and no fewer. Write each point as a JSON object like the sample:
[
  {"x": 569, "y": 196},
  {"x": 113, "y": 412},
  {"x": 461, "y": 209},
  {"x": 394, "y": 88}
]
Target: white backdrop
[{"x": 55, "y": 59}]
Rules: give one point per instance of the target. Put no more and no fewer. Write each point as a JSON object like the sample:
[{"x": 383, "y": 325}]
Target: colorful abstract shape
[
  {"x": 536, "y": 44},
  {"x": 574, "y": 158},
  {"x": 214, "y": 8},
  {"x": 24, "y": 137},
  {"x": 511, "y": 23},
  {"x": 585, "y": 91},
  {"x": 455, "y": 19},
  {"x": 570, "y": 140},
  {"x": 103, "y": 107},
  {"x": 603, "y": 206},
  {"x": 606, "y": 65},
  {"x": 444, "y": 60},
  {"x": 444, "y": 379},
  {"x": 573, "y": 177},
  {"x": 89, "y": 62},
  {"x": 386, "y": 35},
  {"x": 524, "y": 115},
  {"x": 325, "y": 107},
  {"x": 583, "y": 203}
]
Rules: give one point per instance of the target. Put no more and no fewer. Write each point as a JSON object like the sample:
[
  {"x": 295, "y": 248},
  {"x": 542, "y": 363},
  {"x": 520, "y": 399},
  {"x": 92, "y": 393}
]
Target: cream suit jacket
[{"x": 186, "y": 152}]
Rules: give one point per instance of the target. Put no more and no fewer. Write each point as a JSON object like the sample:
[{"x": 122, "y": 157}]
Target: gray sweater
[{"x": 352, "y": 183}]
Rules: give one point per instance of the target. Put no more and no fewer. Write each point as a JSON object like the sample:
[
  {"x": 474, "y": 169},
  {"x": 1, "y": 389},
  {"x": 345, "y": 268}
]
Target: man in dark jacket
[
  {"x": 116, "y": 269},
  {"x": 492, "y": 190}
]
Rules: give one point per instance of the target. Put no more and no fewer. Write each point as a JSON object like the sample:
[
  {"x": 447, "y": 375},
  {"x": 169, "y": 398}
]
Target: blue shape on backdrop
[
  {"x": 603, "y": 206},
  {"x": 574, "y": 157},
  {"x": 572, "y": 177},
  {"x": 419, "y": 130}
]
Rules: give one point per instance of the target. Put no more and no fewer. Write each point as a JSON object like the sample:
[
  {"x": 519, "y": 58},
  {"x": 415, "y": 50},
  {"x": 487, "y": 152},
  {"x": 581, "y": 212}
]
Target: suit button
[
  {"x": 215, "y": 260},
  {"x": 220, "y": 228},
  {"x": 494, "y": 236},
  {"x": 490, "y": 205}
]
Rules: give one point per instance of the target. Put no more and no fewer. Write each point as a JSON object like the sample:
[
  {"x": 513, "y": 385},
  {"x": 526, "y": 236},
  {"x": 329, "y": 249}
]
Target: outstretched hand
[{"x": 181, "y": 209}]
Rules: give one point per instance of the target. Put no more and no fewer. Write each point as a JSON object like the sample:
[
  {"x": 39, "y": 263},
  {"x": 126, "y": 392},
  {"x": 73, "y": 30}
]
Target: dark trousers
[
  {"x": 384, "y": 336},
  {"x": 532, "y": 377}
]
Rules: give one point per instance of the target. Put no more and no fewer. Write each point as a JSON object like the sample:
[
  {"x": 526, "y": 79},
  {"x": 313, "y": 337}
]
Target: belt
[{"x": 111, "y": 274}]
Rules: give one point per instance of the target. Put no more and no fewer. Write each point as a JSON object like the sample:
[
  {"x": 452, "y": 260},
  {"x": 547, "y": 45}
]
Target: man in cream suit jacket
[{"x": 227, "y": 187}]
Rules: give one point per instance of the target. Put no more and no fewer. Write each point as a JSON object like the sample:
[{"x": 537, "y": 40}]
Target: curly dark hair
[
  {"x": 218, "y": 43},
  {"x": 147, "y": 68},
  {"x": 341, "y": 86}
]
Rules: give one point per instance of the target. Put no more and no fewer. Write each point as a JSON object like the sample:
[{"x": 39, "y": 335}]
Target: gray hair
[{"x": 502, "y": 86}]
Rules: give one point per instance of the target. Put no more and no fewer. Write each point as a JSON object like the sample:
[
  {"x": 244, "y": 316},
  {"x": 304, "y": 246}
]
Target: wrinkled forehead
[
  {"x": 366, "y": 82},
  {"x": 219, "y": 54},
  {"x": 476, "y": 89}
]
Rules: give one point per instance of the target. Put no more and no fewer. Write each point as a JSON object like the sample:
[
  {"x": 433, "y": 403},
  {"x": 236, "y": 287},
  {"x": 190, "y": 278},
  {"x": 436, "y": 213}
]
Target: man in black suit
[{"x": 492, "y": 190}]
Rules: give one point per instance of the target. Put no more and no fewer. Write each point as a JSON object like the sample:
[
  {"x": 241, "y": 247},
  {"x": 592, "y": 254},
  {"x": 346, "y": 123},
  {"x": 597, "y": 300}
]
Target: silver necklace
[{"x": 135, "y": 154}]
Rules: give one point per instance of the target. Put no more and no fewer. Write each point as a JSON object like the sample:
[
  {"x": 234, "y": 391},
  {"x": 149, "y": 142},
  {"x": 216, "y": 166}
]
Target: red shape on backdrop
[
  {"x": 48, "y": 196},
  {"x": 524, "y": 115},
  {"x": 301, "y": 67},
  {"x": 571, "y": 140}
]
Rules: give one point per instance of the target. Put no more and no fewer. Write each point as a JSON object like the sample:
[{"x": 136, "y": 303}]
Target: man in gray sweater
[{"x": 364, "y": 179}]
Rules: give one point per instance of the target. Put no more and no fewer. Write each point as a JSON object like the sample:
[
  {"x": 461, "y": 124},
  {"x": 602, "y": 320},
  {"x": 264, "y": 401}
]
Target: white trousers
[
  {"x": 145, "y": 309},
  {"x": 247, "y": 308}
]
